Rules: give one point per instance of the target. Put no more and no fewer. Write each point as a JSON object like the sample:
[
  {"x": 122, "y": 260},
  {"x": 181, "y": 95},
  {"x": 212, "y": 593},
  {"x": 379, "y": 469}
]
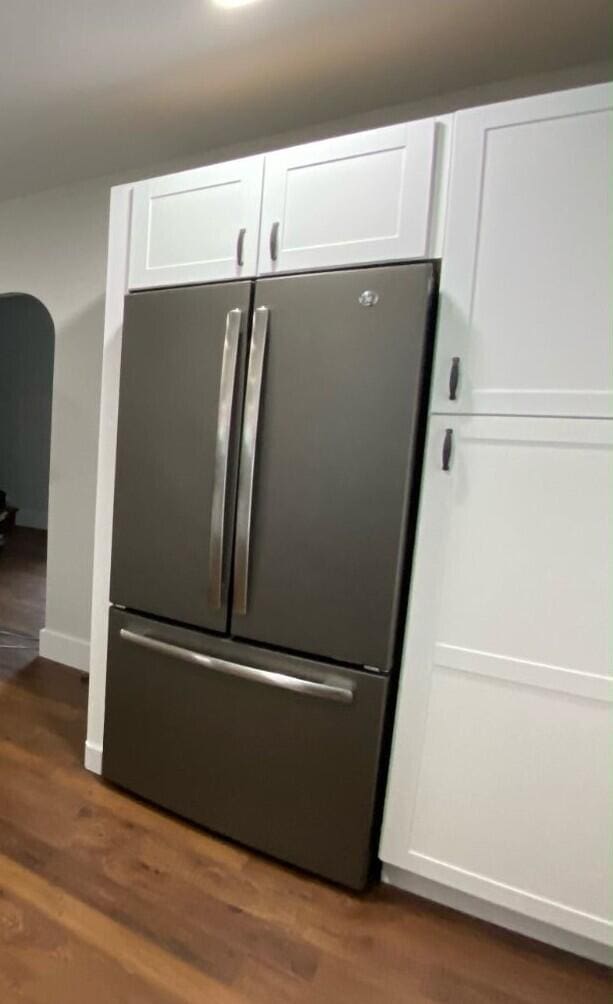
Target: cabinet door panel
[
  {"x": 344, "y": 201},
  {"x": 498, "y": 775},
  {"x": 525, "y": 267},
  {"x": 197, "y": 226}
]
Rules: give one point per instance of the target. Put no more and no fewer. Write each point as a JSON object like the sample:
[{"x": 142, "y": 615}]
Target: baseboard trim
[
  {"x": 495, "y": 914},
  {"x": 93, "y": 757},
  {"x": 64, "y": 648}
]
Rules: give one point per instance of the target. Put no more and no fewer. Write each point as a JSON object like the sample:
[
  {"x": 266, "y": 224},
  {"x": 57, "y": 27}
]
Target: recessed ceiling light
[{"x": 233, "y": 3}]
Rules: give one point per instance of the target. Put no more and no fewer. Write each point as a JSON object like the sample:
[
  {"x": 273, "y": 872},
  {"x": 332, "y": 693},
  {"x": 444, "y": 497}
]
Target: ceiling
[{"x": 89, "y": 87}]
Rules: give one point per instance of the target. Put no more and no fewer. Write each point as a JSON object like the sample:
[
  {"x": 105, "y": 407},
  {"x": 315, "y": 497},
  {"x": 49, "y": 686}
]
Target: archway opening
[{"x": 27, "y": 338}]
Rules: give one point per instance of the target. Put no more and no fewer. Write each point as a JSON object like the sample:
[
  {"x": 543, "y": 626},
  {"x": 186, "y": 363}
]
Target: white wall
[
  {"x": 53, "y": 245},
  {"x": 26, "y": 378}
]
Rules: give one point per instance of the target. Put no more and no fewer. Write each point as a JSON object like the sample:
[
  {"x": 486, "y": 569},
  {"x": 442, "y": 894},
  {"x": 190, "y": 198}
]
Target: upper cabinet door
[
  {"x": 197, "y": 226},
  {"x": 360, "y": 198},
  {"x": 524, "y": 314}
]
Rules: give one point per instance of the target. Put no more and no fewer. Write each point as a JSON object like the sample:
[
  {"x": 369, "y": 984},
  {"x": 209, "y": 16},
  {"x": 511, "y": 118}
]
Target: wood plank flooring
[{"x": 107, "y": 900}]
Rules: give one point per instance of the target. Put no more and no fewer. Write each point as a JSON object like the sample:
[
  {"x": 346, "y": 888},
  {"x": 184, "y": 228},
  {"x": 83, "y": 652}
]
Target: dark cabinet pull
[
  {"x": 240, "y": 247},
  {"x": 454, "y": 377},
  {"x": 274, "y": 241},
  {"x": 447, "y": 444}
]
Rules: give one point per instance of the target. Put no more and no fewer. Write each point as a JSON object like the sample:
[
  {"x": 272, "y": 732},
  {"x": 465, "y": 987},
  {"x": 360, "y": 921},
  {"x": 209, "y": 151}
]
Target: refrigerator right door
[{"x": 337, "y": 368}]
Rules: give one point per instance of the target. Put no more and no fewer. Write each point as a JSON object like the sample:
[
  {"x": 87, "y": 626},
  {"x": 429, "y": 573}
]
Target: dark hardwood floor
[{"x": 106, "y": 900}]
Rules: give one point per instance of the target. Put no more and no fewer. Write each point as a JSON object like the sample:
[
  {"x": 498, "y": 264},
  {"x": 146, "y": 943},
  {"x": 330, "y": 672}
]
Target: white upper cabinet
[
  {"x": 499, "y": 778},
  {"x": 197, "y": 226},
  {"x": 524, "y": 285},
  {"x": 360, "y": 198}
]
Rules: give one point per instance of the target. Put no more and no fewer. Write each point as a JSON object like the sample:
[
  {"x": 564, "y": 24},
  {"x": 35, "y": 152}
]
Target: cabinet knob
[
  {"x": 240, "y": 247},
  {"x": 454, "y": 378},
  {"x": 447, "y": 447},
  {"x": 274, "y": 241}
]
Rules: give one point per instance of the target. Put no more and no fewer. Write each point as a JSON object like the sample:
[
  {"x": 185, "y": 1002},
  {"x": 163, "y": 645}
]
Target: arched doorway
[{"x": 26, "y": 385}]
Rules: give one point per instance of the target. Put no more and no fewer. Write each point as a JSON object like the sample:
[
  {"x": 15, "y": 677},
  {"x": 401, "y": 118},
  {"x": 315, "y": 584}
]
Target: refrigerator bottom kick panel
[{"x": 279, "y": 753}]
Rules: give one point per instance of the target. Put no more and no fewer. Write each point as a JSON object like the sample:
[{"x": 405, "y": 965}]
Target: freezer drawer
[{"x": 279, "y": 753}]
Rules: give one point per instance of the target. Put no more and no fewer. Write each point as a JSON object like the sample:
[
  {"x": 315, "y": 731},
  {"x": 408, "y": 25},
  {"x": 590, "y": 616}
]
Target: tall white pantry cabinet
[{"x": 500, "y": 766}]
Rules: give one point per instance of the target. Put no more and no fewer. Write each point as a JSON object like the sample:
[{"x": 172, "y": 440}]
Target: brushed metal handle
[
  {"x": 333, "y": 691},
  {"x": 240, "y": 247},
  {"x": 454, "y": 378},
  {"x": 447, "y": 447},
  {"x": 274, "y": 240},
  {"x": 225, "y": 408},
  {"x": 251, "y": 418}
]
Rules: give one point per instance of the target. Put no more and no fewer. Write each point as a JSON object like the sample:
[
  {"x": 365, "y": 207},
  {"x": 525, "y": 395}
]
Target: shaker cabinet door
[
  {"x": 523, "y": 320},
  {"x": 351, "y": 200},
  {"x": 197, "y": 226},
  {"x": 499, "y": 771}
]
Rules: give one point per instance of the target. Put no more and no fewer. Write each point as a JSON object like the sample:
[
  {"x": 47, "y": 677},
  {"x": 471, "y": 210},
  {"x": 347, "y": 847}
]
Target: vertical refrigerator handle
[
  {"x": 253, "y": 396},
  {"x": 222, "y": 454}
]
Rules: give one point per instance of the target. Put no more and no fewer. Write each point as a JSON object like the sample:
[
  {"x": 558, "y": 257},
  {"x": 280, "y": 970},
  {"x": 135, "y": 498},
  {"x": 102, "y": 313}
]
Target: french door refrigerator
[{"x": 268, "y": 448}]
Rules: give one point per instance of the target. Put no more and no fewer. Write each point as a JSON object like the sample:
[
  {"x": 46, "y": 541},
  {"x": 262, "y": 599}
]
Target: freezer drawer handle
[
  {"x": 253, "y": 396},
  {"x": 454, "y": 378},
  {"x": 240, "y": 247},
  {"x": 222, "y": 452},
  {"x": 310, "y": 688}
]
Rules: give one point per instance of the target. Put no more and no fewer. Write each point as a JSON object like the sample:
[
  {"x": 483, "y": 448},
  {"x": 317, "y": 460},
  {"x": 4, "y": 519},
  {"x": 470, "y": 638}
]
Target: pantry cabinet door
[
  {"x": 499, "y": 773},
  {"x": 355, "y": 199},
  {"x": 197, "y": 226},
  {"x": 523, "y": 321}
]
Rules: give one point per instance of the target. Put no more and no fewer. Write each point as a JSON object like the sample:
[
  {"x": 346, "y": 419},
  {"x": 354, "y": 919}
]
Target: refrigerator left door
[{"x": 180, "y": 407}]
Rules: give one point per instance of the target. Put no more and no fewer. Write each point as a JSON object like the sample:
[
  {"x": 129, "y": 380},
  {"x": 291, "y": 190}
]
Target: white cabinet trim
[
  {"x": 546, "y": 910},
  {"x": 592, "y": 686}
]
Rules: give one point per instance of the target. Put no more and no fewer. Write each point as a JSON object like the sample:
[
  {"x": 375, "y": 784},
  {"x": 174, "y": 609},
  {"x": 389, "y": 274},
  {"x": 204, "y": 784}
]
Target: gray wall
[{"x": 26, "y": 381}]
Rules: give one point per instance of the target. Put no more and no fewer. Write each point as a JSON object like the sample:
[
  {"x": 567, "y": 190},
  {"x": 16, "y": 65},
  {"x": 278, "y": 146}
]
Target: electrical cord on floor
[{"x": 21, "y": 637}]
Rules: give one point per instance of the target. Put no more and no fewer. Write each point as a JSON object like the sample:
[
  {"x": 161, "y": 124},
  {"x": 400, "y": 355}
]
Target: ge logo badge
[{"x": 368, "y": 298}]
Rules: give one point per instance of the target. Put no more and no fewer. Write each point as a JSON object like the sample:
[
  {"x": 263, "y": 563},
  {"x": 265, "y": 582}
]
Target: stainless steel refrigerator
[{"x": 268, "y": 450}]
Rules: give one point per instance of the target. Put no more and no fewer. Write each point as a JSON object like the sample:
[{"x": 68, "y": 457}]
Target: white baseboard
[
  {"x": 64, "y": 648},
  {"x": 93, "y": 757},
  {"x": 495, "y": 914}
]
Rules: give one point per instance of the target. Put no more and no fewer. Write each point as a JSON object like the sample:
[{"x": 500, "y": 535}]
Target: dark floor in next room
[{"x": 22, "y": 581}]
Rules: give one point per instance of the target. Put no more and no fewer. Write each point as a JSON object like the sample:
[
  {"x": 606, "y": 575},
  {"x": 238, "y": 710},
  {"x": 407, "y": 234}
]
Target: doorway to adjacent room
[{"x": 26, "y": 387}]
